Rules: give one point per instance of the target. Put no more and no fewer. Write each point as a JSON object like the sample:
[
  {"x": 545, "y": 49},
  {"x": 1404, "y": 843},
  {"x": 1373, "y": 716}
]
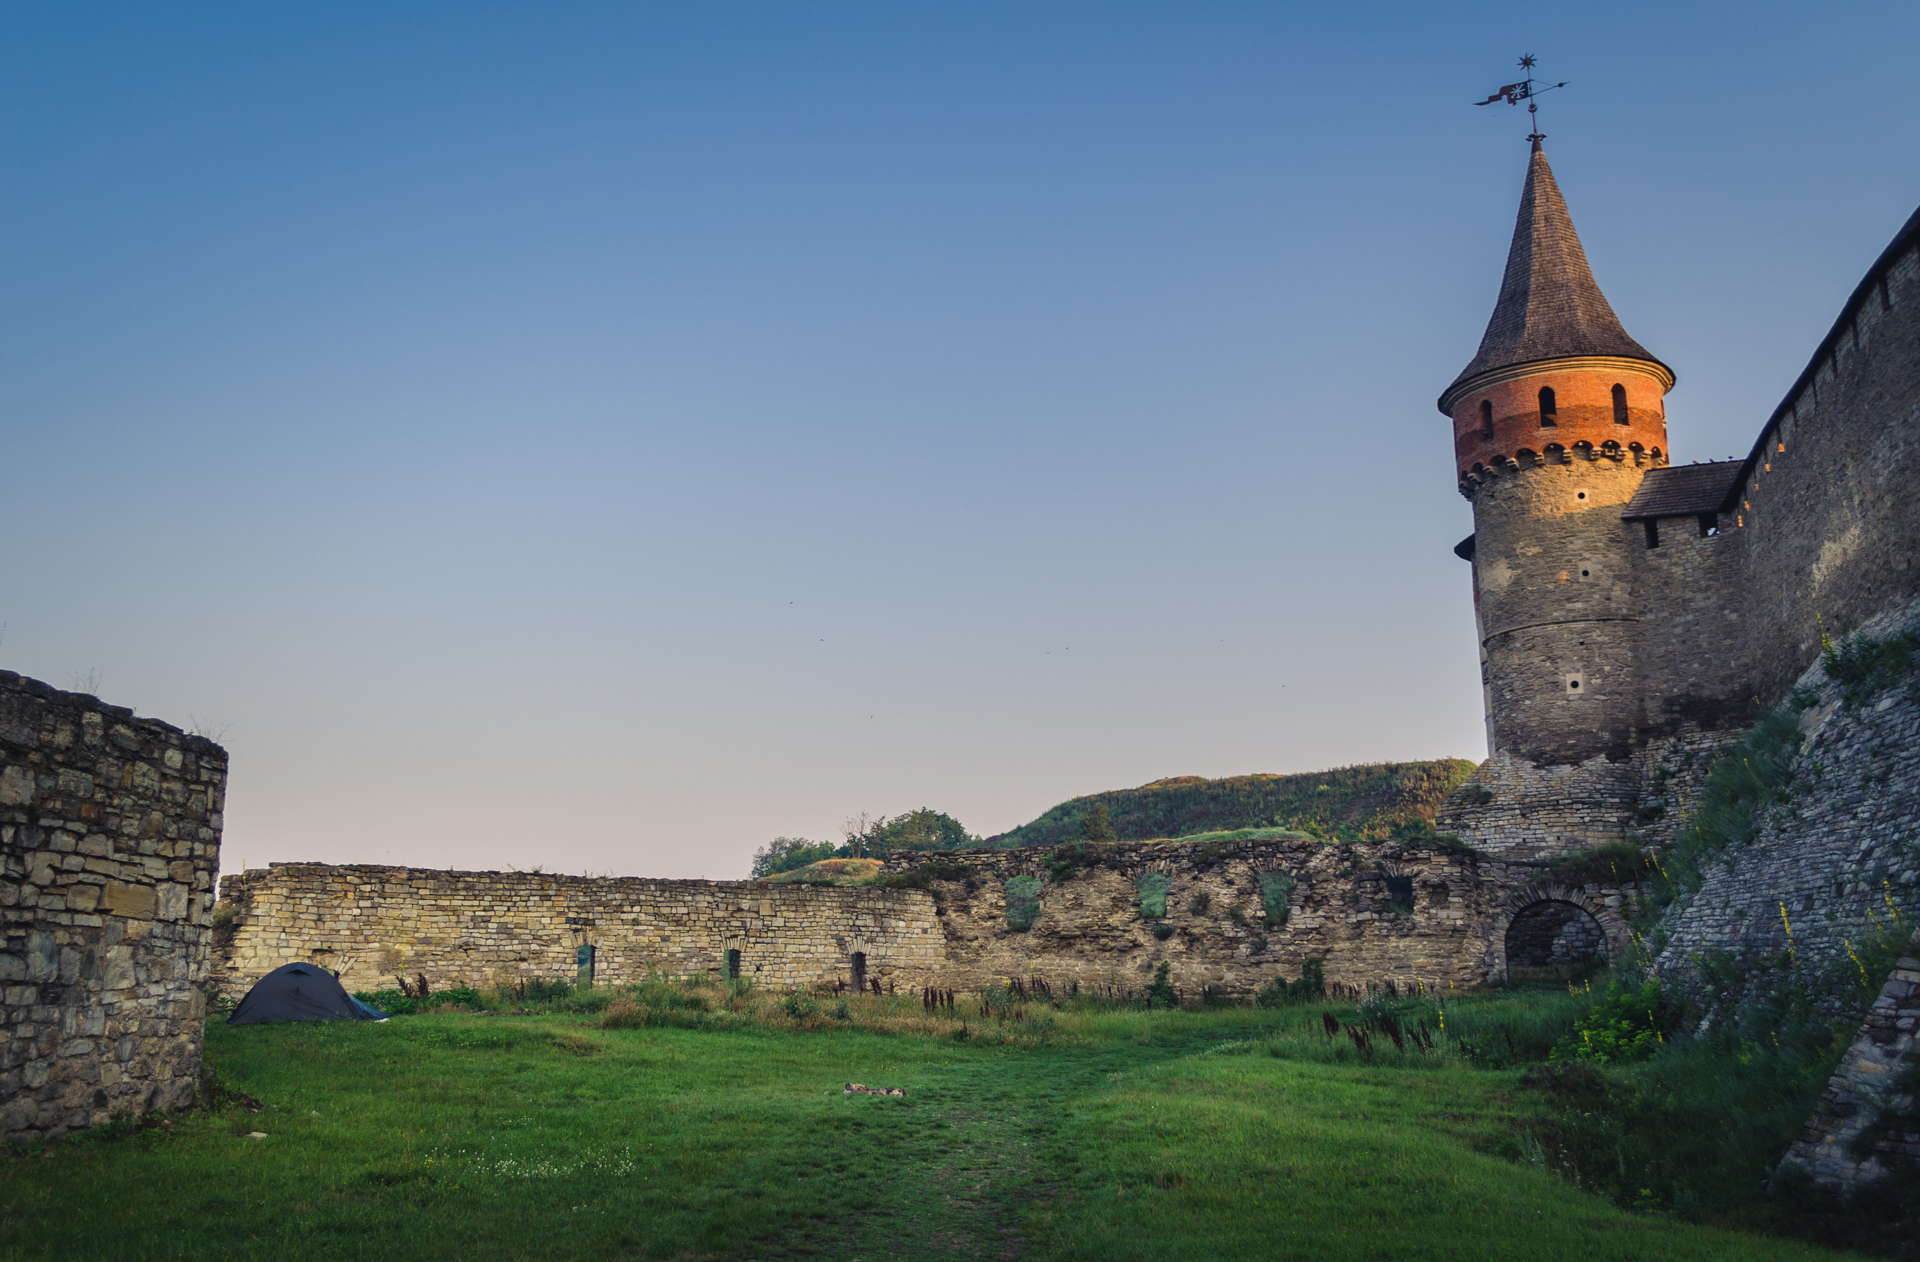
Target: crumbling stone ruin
[
  {"x": 1226, "y": 919},
  {"x": 111, "y": 832}
]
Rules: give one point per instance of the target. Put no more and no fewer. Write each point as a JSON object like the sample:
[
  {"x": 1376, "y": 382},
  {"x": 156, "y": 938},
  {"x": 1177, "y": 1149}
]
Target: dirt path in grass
[{"x": 947, "y": 1173}]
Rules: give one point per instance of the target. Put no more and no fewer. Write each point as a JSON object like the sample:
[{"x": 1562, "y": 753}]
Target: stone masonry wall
[
  {"x": 1865, "y": 1134},
  {"x": 373, "y": 923},
  {"x": 1842, "y": 855},
  {"x": 486, "y": 928},
  {"x": 109, "y": 843},
  {"x": 1341, "y": 909}
]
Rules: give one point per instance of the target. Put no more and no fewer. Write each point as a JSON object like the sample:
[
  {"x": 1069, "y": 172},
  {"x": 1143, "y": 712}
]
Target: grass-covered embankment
[{"x": 697, "y": 1123}]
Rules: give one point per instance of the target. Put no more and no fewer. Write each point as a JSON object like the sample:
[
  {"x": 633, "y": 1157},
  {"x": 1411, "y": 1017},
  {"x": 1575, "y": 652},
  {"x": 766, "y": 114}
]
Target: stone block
[{"x": 132, "y": 901}]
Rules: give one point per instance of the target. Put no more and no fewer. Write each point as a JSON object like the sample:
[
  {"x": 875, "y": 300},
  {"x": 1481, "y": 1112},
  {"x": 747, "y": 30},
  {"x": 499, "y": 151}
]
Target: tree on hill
[
  {"x": 783, "y": 854},
  {"x": 924, "y": 829},
  {"x": 1098, "y": 825}
]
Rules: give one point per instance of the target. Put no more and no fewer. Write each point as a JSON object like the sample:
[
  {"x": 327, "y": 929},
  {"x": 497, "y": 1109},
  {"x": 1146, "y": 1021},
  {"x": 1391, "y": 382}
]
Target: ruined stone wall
[
  {"x": 1374, "y": 913},
  {"x": 110, "y": 827},
  {"x": 1448, "y": 928},
  {"x": 373, "y": 923}
]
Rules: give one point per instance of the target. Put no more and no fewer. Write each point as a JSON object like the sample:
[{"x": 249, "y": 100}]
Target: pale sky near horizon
[{"x": 605, "y": 436}]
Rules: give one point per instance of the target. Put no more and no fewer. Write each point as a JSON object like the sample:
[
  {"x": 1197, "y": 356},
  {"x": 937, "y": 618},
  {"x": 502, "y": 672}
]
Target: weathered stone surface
[
  {"x": 376, "y": 923},
  {"x": 102, "y": 1002}
]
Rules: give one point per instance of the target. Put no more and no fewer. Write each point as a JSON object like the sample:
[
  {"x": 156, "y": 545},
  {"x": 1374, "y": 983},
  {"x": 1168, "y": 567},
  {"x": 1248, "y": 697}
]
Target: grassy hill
[
  {"x": 828, "y": 872},
  {"x": 1346, "y": 804}
]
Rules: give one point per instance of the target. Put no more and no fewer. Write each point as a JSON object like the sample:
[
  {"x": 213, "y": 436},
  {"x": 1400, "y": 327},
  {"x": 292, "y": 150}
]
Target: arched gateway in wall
[{"x": 1554, "y": 933}]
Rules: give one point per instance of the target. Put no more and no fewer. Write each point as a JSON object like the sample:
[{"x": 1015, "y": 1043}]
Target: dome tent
[{"x": 301, "y": 992}]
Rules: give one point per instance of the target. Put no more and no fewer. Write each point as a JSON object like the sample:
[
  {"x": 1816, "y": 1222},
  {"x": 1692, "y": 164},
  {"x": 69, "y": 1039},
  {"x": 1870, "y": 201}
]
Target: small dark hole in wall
[
  {"x": 1586, "y": 573},
  {"x": 1573, "y": 684},
  {"x": 1581, "y": 496}
]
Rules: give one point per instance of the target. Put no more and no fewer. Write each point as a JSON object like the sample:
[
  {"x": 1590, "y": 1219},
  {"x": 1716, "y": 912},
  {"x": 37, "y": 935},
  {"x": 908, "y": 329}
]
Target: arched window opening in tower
[
  {"x": 1549, "y": 411},
  {"x": 733, "y": 962},
  {"x": 859, "y": 963},
  {"x": 1619, "y": 404},
  {"x": 1486, "y": 418}
]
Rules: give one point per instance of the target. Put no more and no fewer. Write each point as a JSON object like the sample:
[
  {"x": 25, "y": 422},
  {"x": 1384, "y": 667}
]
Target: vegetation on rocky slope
[{"x": 1365, "y": 803}]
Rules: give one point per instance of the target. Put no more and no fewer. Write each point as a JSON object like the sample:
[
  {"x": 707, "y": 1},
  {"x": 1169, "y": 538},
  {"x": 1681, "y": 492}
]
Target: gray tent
[{"x": 301, "y": 992}]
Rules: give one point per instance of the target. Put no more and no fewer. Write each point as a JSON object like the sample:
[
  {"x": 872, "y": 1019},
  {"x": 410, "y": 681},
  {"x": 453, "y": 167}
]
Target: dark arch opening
[
  {"x": 1553, "y": 941},
  {"x": 1619, "y": 404},
  {"x": 733, "y": 961},
  {"x": 1486, "y": 419},
  {"x": 859, "y": 970},
  {"x": 1549, "y": 410}
]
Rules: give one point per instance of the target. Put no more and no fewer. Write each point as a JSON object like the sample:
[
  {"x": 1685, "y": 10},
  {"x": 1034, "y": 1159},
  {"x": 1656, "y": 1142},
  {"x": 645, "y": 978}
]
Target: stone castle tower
[{"x": 1556, "y": 421}]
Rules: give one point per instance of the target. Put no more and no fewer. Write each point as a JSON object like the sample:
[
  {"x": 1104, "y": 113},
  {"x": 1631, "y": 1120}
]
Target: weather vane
[{"x": 1514, "y": 93}]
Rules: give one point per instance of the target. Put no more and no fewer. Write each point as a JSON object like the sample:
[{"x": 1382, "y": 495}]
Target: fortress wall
[
  {"x": 374, "y": 923},
  {"x": 1842, "y": 854},
  {"x": 1517, "y": 810},
  {"x": 1690, "y": 645},
  {"x": 109, "y": 842},
  {"x": 1091, "y": 928},
  {"x": 489, "y": 928},
  {"x": 1831, "y": 522}
]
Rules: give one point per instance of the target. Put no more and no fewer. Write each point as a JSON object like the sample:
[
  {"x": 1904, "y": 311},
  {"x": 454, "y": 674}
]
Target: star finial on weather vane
[{"x": 1514, "y": 93}]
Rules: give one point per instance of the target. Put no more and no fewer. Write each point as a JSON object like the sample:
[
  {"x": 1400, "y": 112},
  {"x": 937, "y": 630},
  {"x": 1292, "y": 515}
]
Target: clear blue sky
[{"x": 608, "y": 435}]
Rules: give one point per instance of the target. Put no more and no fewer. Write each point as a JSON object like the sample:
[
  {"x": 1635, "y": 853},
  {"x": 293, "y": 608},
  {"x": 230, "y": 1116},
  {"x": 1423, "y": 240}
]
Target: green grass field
[{"x": 1219, "y": 1134}]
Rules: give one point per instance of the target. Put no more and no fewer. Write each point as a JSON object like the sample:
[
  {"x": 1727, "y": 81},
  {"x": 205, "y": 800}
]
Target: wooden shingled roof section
[
  {"x": 1550, "y": 307},
  {"x": 1684, "y": 490}
]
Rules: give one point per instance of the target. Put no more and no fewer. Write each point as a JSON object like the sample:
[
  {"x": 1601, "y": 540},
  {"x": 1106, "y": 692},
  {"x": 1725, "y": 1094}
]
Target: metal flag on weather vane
[{"x": 1514, "y": 93}]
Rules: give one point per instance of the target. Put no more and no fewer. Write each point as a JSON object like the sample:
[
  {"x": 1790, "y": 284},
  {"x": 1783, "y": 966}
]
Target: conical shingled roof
[{"x": 1549, "y": 307}]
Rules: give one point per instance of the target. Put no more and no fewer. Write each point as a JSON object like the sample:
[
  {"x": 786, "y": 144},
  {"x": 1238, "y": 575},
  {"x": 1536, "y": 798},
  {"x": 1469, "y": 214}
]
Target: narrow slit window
[
  {"x": 1619, "y": 404},
  {"x": 733, "y": 962},
  {"x": 1653, "y": 533},
  {"x": 1549, "y": 410},
  {"x": 1486, "y": 418},
  {"x": 859, "y": 962}
]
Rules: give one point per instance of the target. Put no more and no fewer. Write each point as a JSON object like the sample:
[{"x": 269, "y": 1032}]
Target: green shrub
[
  {"x": 1309, "y": 986},
  {"x": 1153, "y": 887},
  {"x": 1162, "y": 930},
  {"x": 1023, "y": 902},
  {"x": 1276, "y": 897},
  {"x": 1865, "y": 665},
  {"x": 1199, "y": 903},
  {"x": 1064, "y": 862},
  {"x": 799, "y": 1005},
  {"x": 921, "y": 876},
  {"x": 1616, "y": 862},
  {"x": 1743, "y": 782},
  {"x": 1161, "y": 990},
  {"x": 1628, "y": 1023},
  {"x": 396, "y": 1004}
]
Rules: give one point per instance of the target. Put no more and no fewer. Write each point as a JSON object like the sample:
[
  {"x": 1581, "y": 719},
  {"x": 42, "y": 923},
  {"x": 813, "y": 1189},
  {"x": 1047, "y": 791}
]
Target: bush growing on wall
[
  {"x": 1023, "y": 902},
  {"x": 1276, "y": 897},
  {"x": 1153, "y": 888}
]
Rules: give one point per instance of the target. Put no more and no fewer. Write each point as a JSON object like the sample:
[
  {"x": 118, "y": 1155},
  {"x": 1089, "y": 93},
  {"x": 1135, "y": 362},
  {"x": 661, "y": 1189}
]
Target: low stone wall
[
  {"x": 1866, "y": 1131},
  {"x": 373, "y": 924},
  {"x": 110, "y": 826}
]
